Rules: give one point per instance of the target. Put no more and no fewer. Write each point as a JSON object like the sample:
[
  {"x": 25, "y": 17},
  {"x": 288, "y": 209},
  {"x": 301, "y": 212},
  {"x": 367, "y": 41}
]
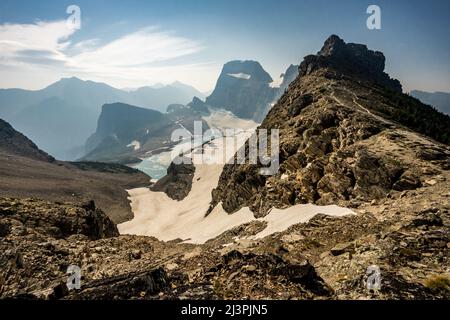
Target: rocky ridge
[
  {"x": 126, "y": 134},
  {"x": 344, "y": 139},
  {"x": 178, "y": 182},
  {"x": 14, "y": 142}
]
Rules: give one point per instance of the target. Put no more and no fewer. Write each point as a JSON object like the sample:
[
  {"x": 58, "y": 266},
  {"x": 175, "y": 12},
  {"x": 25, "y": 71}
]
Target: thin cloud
[
  {"x": 50, "y": 37},
  {"x": 132, "y": 59}
]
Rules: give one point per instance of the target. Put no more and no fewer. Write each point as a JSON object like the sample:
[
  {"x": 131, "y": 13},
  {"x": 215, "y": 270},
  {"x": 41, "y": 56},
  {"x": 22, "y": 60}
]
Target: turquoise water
[
  {"x": 153, "y": 167},
  {"x": 156, "y": 166}
]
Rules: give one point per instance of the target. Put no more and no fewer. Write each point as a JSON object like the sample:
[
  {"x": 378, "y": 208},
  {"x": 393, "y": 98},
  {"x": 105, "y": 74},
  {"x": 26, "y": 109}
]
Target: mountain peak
[
  {"x": 350, "y": 59},
  {"x": 71, "y": 79},
  {"x": 253, "y": 69}
]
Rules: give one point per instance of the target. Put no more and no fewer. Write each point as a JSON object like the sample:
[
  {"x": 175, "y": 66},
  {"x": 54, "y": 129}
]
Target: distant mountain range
[
  {"x": 126, "y": 133},
  {"x": 60, "y": 117},
  {"x": 439, "y": 100}
]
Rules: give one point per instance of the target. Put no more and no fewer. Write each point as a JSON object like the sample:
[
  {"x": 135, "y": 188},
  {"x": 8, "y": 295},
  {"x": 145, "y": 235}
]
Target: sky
[{"x": 133, "y": 43}]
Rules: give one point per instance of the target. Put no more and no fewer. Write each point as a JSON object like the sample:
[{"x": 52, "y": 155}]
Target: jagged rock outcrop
[
  {"x": 347, "y": 135},
  {"x": 121, "y": 124},
  {"x": 178, "y": 182},
  {"x": 60, "y": 117},
  {"x": 352, "y": 60}
]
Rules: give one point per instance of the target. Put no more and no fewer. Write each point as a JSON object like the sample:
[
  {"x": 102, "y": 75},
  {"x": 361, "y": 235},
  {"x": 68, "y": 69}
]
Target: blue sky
[{"x": 135, "y": 43}]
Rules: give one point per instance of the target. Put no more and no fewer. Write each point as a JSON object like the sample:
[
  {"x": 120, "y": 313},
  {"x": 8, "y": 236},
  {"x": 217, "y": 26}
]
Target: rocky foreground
[{"x": 407, "y": 237}]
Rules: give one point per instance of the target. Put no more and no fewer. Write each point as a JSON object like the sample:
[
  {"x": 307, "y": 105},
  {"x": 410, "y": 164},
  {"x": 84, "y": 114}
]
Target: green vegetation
[
  {"x": 415, "y": 115},
  {"x": 438, "y": 283}
]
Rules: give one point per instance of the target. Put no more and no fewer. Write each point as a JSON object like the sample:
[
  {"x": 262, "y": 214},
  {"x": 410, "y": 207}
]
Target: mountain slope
[
  {"x": 13, "y": 142},
  {"x": 347, "y": 135},
  {"x": 439, "y": 100},
  {"x": 26, "y": 172},
  {"x": 125, "y": 132}
]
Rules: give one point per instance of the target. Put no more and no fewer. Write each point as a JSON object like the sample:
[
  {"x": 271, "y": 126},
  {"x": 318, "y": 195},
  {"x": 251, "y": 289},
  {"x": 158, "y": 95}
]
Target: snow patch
[
  {"x": 224, "y": 119},
  {"x": 276, "y": 83},
  {"x": 135, "y": 144},
  {"x": 155, "y": 214},
  {"x": 240, "y": 75}
]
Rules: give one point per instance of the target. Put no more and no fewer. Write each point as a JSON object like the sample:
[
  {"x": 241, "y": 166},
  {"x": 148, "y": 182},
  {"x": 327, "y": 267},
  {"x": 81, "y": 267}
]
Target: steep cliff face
[
  {"x": 243, "y": 88},
  {"x": 125, "y": 133},
  {"x": 347, "y": 135}
]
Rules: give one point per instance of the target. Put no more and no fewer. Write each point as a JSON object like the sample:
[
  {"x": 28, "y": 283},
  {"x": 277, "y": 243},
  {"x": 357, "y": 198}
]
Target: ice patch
[{"x": 240, "y": 75}]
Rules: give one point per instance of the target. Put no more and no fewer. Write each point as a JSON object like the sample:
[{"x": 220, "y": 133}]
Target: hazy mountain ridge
[
  {"x": 63, "y": 115},
  {"x": 439, "y": 100}
]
